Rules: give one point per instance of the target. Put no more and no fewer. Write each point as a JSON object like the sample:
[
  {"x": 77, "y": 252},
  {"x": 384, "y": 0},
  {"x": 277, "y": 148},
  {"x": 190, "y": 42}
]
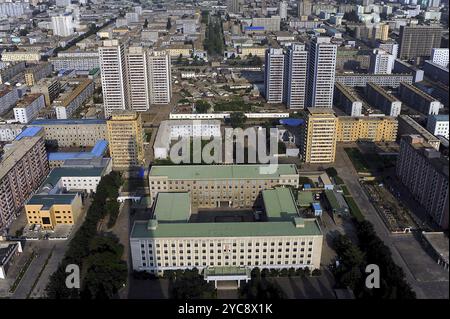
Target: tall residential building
[
  {"x": 23, "y": 167},
  {"x": 381, "y": 62},
  {"x": 274, "y": 75},
  {"x": 295, "y": 75},
  {"x": 63, "y": 25},
  {"x": 283, "y": 9},
  {"x": 424, "y": 171},
  {"x": 318, "y": 136},
  {"x": 416, "y": 41},
  {"x": 438, "y": 125},
  {"x": 304, "y": 8},
  {"x": 125, "y": 139},
  {"x": 137, "y": 79},
  {"x": 159, "y": 77},
  {"x": 113, "y": 74},
  {"x": 233, "y": 6},
  {"x": 321, "y": 72}
]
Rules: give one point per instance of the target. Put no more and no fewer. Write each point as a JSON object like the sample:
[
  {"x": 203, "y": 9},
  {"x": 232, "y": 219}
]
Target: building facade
[
  {"x": 417, "y": 41},
  {"x": 296, "y": 71},
  {"x": 321, "y": 72},
  {"x": 125, "y": 137},
  {"x": 28, "y": 108},
  {"x": 366, "y": 128},
  {"x": 318, "y": 141},
  {"x": 424, "y": 172},
  {"x": 274, "y": 75}
]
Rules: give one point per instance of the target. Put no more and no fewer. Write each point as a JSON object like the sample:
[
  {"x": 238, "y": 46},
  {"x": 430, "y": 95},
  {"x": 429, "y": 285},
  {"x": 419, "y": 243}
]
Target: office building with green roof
[
  {"x": 173, "y": 239},
  {"x": 221, "y": 185}
]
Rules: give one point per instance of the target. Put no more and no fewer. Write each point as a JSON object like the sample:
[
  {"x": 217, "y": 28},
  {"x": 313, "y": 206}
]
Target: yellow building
[
  {"x": 28, "y": 56},
  {"x": 369, "y": 128},
  {"x": 254, "y": 51},
  {"x": 319, "y": 136},
  {"x": 50, "y": 210},
  {"x": 125, "y": 136},
  {"x": 176, "y": 50}
]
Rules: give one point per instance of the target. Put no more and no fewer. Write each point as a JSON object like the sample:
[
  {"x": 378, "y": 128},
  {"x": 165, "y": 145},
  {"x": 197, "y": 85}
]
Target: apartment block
[
  {"x": 220, "y": 185},
  {"x": 10, "y": 70},
  {"x": 8, "y": 97},
  {"x": 274, "y": 75},
  {"x": 321, "y": 72},
  {"x": 16, "y": 56},
  {"x": 72, "y": 133},
  {"x": 159, "y": 77},
  {"x": 75, "y": 60},
  {"x": 416, "y": 41},
  {"x": 318, "y": 142},
  {"x": 424, "y": 171},
  {"x": 361, "y": 79},
  {"x": 381, "y": 62},
  {"x": 367, "y": 128},
  {"x": 28, "y": 108},
  {"x": 113, "y": 74},
  {"x": 346, "y": 99},
  {"x": 49, "y": 87},
  {"x": 77, "y": 92},
  {"x": 35, "y": 73},
  {"x": 408, "y": 126},
  {"x": 296, "y": 65},
  {"x": 438, "y": 125},
  {"x": 383, "y": 100},
  {"x": 125, "y": 137},
  {"x": 23, "y": 167},
  {"x": 418, "y": 99},
  {"x": 139, "y": 98}
]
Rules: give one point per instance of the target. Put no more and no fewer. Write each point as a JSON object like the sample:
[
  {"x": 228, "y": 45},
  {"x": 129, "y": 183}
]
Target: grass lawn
[{"x": 358, "y": 160}]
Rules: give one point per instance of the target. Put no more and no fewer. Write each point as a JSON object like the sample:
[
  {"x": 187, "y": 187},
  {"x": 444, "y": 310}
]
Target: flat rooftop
[
  {"x": 57, "y": 173},
  {"x": 279, "y": 204},
  {"x": 310, "y": 227},
  {"x": 48, "y": 200},
  {"x": 68, "y": 122},
  {"x": 209, "y": 172},
  {"x": 173, "y": 207}
]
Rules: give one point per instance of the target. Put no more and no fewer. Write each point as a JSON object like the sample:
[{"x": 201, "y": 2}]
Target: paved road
[{"x": 347, "y": 172}]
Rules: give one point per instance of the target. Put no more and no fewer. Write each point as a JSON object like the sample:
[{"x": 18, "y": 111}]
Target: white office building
[
  {"x": 113, "y": 75},
  {"x": 296, "y": 70},
  {"x": 274, "y": 75},
  {"x": 283, "y": 9},
  {"x": 321, "y": 72},
  {"x": 63, "y": 25},
  {"x": 381, "y": 62},
  {"x": 438, "y": 125}
]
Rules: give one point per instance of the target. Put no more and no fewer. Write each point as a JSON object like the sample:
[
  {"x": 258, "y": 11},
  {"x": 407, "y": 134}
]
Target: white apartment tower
[
  {"x": 274, "y": 75},
  {"x": 137, "y": 79},
  {"x": 113, "y": 75},
  {"x": 440, "y": 56},
  {"x": 296, "y": 70},
  {"x": 159, "y": 77},
  {"x": 381, "y": 62},
  {"x": 283, "y": 9},
  {"x": 321, "y": 72},
  {"x": 63, "y": 25}
]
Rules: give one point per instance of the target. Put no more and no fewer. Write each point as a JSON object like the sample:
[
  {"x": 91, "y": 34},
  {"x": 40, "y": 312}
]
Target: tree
[
  {"x": 145, "y": 24},
  {"x": 189, "y": 284},
  {"x": 169, "y": 24},
  {"x": 351, "y": 16},
  {"x": 237, "y": 119},
  {"x": 202, "y": 106},
  {"x": 331, "y": 171}
]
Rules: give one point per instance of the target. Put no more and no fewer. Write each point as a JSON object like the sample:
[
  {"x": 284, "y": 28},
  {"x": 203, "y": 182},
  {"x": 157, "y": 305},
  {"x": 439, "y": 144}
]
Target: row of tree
[
  {"x": 214, "y": 43},
  {"x": 98, "y": 256},
  {"x": 350, "y": 270}
]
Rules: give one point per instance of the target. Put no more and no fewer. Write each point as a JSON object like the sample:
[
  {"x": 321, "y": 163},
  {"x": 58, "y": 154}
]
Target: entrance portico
[{"x": 227, "y": 274}]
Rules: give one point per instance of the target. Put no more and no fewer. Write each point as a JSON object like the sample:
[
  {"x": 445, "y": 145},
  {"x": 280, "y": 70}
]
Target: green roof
[
  {"x": 329, "y": 194},
  {"x": 305, "y": 198},
  {"x": 279, "y": 204},
  {"x": 208, "y": 172},
  {"x": 48, "y": 200},
  {"x": 172, "y": 207},
  {"x": 242, "y": 229},
  {"x": 57, "y": 173}
]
